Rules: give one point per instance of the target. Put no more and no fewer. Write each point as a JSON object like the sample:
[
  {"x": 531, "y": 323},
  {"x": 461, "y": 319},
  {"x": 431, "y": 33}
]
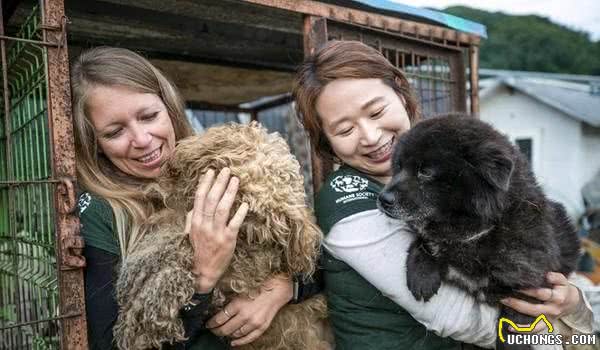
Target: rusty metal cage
[
  {"x": 41, "y": 298},
  {"x": 37, "y": 308},
  {"x": 27, "y": 260}
]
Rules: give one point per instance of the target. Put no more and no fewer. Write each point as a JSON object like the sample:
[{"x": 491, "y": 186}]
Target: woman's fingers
[
  {"x": 228, "y": 328},
  {"x": 215, "y": 194},
  {"x": 230, "y": 322},
  {"x": 188, "y": 221},
  {"x": 542, "y": 294},
  {"x": 523, "y": 307},
  {"x": 556, "y": 300},
  {"x": 557, "y": 278},
  {"x": 221, "y": 318},
  {"x": 204, "y": 186},
  {"x": 213, "y": 201},
  {"x": 212, "y": 239},
  {"x": 248, "y": 338},
  {"x": 225, "y": 203},
  {"x": 558, "y": 285},
  {"x": 236, "y": 221}
]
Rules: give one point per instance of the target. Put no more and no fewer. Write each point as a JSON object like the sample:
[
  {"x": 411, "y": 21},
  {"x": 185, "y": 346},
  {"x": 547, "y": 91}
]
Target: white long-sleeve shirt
[{"x": 380, "y": 257}]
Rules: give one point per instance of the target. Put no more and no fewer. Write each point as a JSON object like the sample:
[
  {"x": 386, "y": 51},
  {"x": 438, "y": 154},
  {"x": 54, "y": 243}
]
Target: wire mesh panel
[
  {"x": 40, "y": 297},
  {"x": 29, "y": 297},
  {"x": 431, "y": 79},
  {"x": 435, "y": 70}
]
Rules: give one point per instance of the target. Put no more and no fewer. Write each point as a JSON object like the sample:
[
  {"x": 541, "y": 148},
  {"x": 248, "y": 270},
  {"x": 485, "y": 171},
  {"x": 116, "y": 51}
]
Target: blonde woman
[{"x": 127, "y": 118}]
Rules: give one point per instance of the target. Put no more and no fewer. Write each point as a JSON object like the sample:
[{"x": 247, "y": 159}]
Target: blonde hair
[
  {"x": 109, "y": 66},
  {"x": 344, "y": 60}
]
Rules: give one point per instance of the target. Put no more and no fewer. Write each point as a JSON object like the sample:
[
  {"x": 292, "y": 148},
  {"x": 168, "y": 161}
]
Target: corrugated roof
[
  {"x": 414, "y": 13},
  {"x": 488, "y": 72},
  {"x": 570, "y": 98},
  {"x": 445, "y": 19}
]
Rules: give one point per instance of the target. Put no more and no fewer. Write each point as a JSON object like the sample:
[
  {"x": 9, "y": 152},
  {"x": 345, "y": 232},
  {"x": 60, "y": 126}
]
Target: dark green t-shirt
[
  {"x": 362, "y": 318},
  {"x": 97, "y": 223},
  {"x": 98, "y": 231}
]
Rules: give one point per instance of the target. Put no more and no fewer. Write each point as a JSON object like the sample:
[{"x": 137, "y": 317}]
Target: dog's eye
[{"x": 425, "y": 174}]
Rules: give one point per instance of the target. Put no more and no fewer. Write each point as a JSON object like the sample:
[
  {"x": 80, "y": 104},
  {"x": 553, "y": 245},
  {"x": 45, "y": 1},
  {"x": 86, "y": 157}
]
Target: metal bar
[
  {"x": 431, "y": 64},
  {"x": 403, "y": 61},
  {"x": 315, "y": 35},
  {"x": 29, "y": 41},
  {"x": 29, "y": 182},
  {"x": 371, "y": 20},
  {"x": 71, "y": 293},
  {"x": 16, "y": 183},
  {"x": 33, "y": 242},
  {"x": 58, "y": 318},
  {"x": 474, "y": 78},
  {"x": 9, "y": 163},
  {"x": 420, "y": 81},
  {"x": 33, "y": 87}
]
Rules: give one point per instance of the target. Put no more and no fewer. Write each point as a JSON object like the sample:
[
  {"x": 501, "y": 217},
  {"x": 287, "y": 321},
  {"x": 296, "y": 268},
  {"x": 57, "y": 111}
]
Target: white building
[{"x": 555, "y": 120}]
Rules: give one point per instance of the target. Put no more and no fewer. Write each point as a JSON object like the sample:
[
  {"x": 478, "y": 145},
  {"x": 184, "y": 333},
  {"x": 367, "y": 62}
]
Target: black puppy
[{"x": 481, "y": 221}]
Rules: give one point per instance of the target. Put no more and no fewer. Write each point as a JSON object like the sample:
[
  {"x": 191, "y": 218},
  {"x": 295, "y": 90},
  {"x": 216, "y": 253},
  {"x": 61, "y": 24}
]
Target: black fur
[{"x": 480, "y": 218}]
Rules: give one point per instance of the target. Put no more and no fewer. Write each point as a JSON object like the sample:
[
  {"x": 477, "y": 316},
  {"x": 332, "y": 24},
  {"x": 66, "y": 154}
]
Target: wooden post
[
  {"x": 474, "y": 78},
  {"x": 315, "y": 35},
  {"x": 73, "y": 326}
]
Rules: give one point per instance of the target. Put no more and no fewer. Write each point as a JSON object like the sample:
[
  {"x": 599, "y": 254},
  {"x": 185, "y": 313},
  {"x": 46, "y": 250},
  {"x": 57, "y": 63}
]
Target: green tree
[{"x": 532, "y": 43}]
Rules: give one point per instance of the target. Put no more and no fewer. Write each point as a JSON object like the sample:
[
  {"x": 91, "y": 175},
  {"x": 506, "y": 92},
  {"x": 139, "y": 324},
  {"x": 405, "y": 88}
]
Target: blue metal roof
[{"x": 445, "y": 19}]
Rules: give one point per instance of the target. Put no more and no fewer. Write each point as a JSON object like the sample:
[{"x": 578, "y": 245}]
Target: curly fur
[{"x": 278, "y": 236}]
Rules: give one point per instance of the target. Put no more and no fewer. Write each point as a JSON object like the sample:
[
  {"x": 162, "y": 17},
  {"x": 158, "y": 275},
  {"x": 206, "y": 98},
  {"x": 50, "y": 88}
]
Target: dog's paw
[
  {"x": 423, "y": 274},
  {"x": 423, "y": 287}
]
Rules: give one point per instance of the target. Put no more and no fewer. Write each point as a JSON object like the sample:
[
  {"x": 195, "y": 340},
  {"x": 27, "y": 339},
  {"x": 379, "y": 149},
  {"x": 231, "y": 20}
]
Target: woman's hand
[
  {"x": 213, "y": 239},
  {"x": 559, "y": 300},
  {"x": 246, "y": 319}
]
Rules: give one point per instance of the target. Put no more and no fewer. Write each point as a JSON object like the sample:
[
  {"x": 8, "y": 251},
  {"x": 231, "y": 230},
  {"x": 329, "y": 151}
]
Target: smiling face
[
  {"x": 362, "y": 119},
  {"x": 134, "y": 129}
]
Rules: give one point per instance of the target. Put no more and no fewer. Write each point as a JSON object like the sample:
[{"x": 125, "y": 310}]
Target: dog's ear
[{"x": 495, "y": 165}]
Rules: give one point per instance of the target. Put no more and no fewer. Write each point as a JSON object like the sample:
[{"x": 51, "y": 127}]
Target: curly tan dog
[{"x": 278, "y": 236}]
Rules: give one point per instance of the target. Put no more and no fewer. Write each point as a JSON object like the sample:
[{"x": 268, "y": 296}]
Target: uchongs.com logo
[{"x": 525, "y": 336}]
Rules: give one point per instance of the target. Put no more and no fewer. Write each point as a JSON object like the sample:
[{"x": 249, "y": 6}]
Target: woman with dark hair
[{"x": 354, "y": 104}]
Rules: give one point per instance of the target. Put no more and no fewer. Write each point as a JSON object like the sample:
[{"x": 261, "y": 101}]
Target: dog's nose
[{"x": 387, "y": 198}]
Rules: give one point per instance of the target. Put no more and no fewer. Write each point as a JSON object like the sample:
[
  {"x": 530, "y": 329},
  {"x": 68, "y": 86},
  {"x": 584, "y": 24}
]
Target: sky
[{"x": 583, "y": 15}]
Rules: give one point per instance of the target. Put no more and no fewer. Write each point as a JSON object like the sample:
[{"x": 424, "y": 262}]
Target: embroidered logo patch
[
  {"x": 84, "y": 202},
  {"x": 349, "y": 183}
]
